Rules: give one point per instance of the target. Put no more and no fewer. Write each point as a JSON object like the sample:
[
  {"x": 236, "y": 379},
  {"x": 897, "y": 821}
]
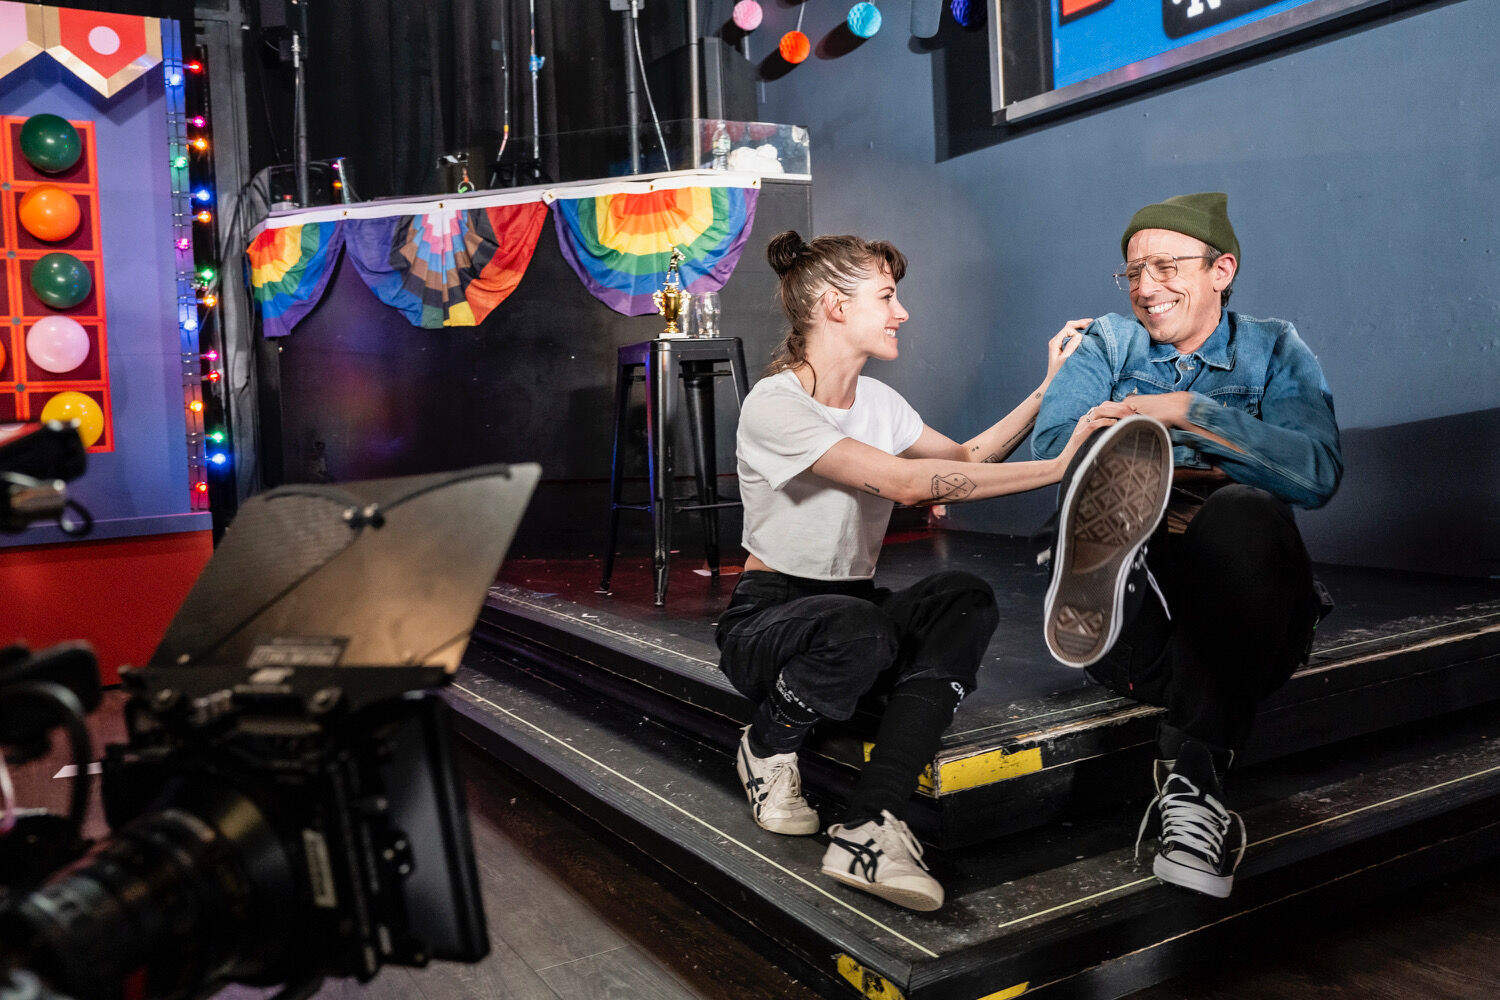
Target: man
[{"x": 1208, "y": 610}]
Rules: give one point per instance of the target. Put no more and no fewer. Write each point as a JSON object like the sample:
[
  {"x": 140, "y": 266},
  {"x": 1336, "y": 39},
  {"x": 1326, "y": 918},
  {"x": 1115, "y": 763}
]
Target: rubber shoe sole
[
  {"x": 1112, "y": 505},
  {"x": 1188, "y": 877},
  {"x": 923, "y": 899}
]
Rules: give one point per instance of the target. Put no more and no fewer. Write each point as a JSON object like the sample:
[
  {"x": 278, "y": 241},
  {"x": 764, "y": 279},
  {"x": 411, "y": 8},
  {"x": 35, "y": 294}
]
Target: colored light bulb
[{"x": 196, "y": 406}]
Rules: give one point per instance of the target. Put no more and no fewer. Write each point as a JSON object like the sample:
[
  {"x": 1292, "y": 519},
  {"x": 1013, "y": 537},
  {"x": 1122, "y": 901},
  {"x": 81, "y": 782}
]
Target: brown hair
[{"x": 807, "y": 269}]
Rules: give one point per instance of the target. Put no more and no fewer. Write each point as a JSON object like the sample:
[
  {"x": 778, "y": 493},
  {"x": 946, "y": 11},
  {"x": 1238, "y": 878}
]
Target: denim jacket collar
[{"x": 1217, "y": 351}]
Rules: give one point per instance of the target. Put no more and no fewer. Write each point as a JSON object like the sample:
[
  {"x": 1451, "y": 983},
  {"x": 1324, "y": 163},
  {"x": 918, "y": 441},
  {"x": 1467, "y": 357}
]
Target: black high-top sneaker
[
  {"x": 1112, "y": 500},
  {"x": 1200, "y": 843}
]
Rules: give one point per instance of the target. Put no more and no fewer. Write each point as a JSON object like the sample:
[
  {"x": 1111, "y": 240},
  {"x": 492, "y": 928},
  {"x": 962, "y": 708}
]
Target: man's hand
[
  {"x": 1063, "y": 344},
  {"x": 1096, "y": 419},
  {"x": 1171, "y": 408}
]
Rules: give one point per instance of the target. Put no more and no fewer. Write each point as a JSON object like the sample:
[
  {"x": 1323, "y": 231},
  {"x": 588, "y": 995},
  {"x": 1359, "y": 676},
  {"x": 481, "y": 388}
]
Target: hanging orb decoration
[
  {"x": 747, "y": 15},
  {"x": 967, "y": 13},
  {"x": 61, "y": 280},
  {"x": 49, "y": 213},
  {"x": 794, "y": 47},
  {"x": 50, "y": 143},
  {"x": 864, "y": 19}
]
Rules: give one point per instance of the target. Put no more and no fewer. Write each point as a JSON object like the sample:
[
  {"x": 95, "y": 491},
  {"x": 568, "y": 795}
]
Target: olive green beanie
[{"x": 1205, "y": 216}]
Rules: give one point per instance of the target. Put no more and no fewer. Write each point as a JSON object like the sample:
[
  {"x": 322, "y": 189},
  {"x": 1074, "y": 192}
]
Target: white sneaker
[
  {"x": 774, "y": 787},
  {"x": 882, "y": 857}
]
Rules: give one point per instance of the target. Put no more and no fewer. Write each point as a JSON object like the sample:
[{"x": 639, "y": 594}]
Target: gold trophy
[{"x": 671, "y": 301}]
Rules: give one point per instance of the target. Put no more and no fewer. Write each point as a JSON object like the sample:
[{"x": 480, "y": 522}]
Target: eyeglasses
[{"x": 1161, "y": 267}]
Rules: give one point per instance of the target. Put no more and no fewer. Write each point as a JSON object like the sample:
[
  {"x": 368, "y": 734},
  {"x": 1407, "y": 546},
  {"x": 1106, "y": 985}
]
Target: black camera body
[
  {"x": 286, "y": 807},
  {"x": 272, "y": 825}
]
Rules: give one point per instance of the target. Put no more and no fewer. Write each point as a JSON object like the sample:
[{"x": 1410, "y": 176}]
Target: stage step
[
  {"x": 1037, "y": 743},
  {"x": 1060, "y": 911}
]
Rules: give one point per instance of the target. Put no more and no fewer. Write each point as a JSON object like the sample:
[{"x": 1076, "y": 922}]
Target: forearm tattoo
[
  {"x": 951, "y": 487},
  {"x": 1009, "y": 446},
  {"x": 873, "y": 489}
]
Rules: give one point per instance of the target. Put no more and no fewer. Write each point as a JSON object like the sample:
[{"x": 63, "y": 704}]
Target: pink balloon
[
  {"x": 747, "y": 15},
  {"x": 57, "y": 344}
]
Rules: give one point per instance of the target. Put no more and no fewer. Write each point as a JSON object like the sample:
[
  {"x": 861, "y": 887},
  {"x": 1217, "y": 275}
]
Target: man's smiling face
[{"x": 1184, "y": 309}]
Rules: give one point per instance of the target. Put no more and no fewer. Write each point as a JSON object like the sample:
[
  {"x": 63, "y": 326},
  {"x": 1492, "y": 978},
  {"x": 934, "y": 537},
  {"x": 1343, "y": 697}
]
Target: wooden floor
[{"x": 575, "y": 915}]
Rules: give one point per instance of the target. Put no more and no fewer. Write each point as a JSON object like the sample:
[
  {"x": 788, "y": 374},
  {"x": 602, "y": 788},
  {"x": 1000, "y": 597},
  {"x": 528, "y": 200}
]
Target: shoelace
[
  {"x": 783, "y": 774},
  {"x": 901, "y": 833},
  {"x": 1140, "y": 564},
  {"x": 1194, "y": 819}
]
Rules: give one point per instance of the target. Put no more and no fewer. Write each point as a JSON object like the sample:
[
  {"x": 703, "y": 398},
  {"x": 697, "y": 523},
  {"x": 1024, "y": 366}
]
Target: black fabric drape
[{"x": 393, "y": 85}]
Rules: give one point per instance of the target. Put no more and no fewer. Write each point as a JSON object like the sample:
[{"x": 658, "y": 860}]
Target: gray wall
[{"x": 1362, "y": 171}]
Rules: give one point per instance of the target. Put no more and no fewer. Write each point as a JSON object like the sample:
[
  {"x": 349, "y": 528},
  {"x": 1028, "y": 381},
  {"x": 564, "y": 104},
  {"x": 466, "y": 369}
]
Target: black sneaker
[
  {"x": 1111, "y": 504},
  {"x": 1200, "y": 843}
]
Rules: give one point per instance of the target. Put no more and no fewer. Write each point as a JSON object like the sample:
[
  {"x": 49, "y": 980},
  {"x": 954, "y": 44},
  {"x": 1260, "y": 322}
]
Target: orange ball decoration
[
  {"x": 794, "y": 47},
  {"x": 49, "y": 213}
]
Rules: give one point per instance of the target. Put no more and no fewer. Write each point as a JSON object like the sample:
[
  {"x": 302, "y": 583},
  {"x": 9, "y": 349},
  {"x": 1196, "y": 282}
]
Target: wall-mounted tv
[{"x": 1048, "y": 57}]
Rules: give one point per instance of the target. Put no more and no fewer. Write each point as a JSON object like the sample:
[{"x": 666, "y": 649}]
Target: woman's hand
[
  {"x": 1096, "y": 419},
  {"x": 1064, "y": 343}
]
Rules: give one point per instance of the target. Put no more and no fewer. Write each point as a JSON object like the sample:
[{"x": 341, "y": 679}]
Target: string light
[
  {"x": 204, "y": 217},
  {"x": 197, "y": 121},
  {"x": 196, "y": 406},
  {"x": 200, "y": 144},
  {"x": 201, "y": 486}
]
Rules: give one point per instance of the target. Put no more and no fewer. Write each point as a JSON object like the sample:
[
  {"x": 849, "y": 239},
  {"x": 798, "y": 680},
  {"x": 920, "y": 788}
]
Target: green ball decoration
[
  {"x": 50, "y": 143},
  {"x": 61, "y": 280}
]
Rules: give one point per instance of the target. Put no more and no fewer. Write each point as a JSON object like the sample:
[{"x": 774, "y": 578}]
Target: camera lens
[{"x": 167, "y": 904}]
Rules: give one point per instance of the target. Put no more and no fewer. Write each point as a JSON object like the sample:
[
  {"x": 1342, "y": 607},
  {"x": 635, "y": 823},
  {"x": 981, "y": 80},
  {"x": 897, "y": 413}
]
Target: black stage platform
[{"x": 1374, "y": 768}]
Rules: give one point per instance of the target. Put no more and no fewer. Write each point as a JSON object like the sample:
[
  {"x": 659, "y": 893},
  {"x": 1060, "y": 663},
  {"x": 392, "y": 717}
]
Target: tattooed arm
[
  {"x": 998, "y": 442},
  {"x": 927, "y": 481}
]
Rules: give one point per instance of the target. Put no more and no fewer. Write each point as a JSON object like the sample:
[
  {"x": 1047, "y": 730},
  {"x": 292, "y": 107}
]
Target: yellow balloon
[{"x": 66, "y": 406}]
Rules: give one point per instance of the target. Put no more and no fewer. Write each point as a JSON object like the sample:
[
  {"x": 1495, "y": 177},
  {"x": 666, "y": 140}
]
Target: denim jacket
[{"x": 1254, "y": 383}]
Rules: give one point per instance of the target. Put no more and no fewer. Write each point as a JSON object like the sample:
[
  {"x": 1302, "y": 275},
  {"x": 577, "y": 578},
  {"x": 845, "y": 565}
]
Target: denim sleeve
[
  {"x": 1084, "y": 380},
  {"x": 1292, "y": 449}
]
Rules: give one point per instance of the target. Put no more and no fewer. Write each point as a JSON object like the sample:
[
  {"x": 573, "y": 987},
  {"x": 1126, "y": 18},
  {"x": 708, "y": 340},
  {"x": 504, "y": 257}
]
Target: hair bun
[{"x": 784, "y": 249}]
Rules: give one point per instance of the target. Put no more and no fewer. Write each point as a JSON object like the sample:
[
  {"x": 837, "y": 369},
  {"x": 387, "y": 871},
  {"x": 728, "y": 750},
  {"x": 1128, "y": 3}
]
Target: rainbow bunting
[
  {"x": 446, "y": 268},
  {"x": 289, "y": 270},
  {"x": 619, "y": 245},
  {"x": 502, "y": 240}
]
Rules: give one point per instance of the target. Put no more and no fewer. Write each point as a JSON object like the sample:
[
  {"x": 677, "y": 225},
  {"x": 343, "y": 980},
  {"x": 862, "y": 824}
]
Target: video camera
[
  {"x": 36, "y": 461},
  {"x": 276, "y": 815}
]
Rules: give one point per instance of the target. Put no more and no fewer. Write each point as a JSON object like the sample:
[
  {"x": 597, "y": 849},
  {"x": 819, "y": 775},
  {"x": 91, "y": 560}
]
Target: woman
[{"x": 823, "y": 453}]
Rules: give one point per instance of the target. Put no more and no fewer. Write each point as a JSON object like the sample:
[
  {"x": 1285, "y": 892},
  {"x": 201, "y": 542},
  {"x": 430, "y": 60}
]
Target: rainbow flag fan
[
  {"x": 619, "y": 244},
  {"x": 289, "y": 269}
]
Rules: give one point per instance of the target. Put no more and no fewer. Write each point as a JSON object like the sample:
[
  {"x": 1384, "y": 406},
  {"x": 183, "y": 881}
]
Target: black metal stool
[{"x": 662, "y": 364}]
